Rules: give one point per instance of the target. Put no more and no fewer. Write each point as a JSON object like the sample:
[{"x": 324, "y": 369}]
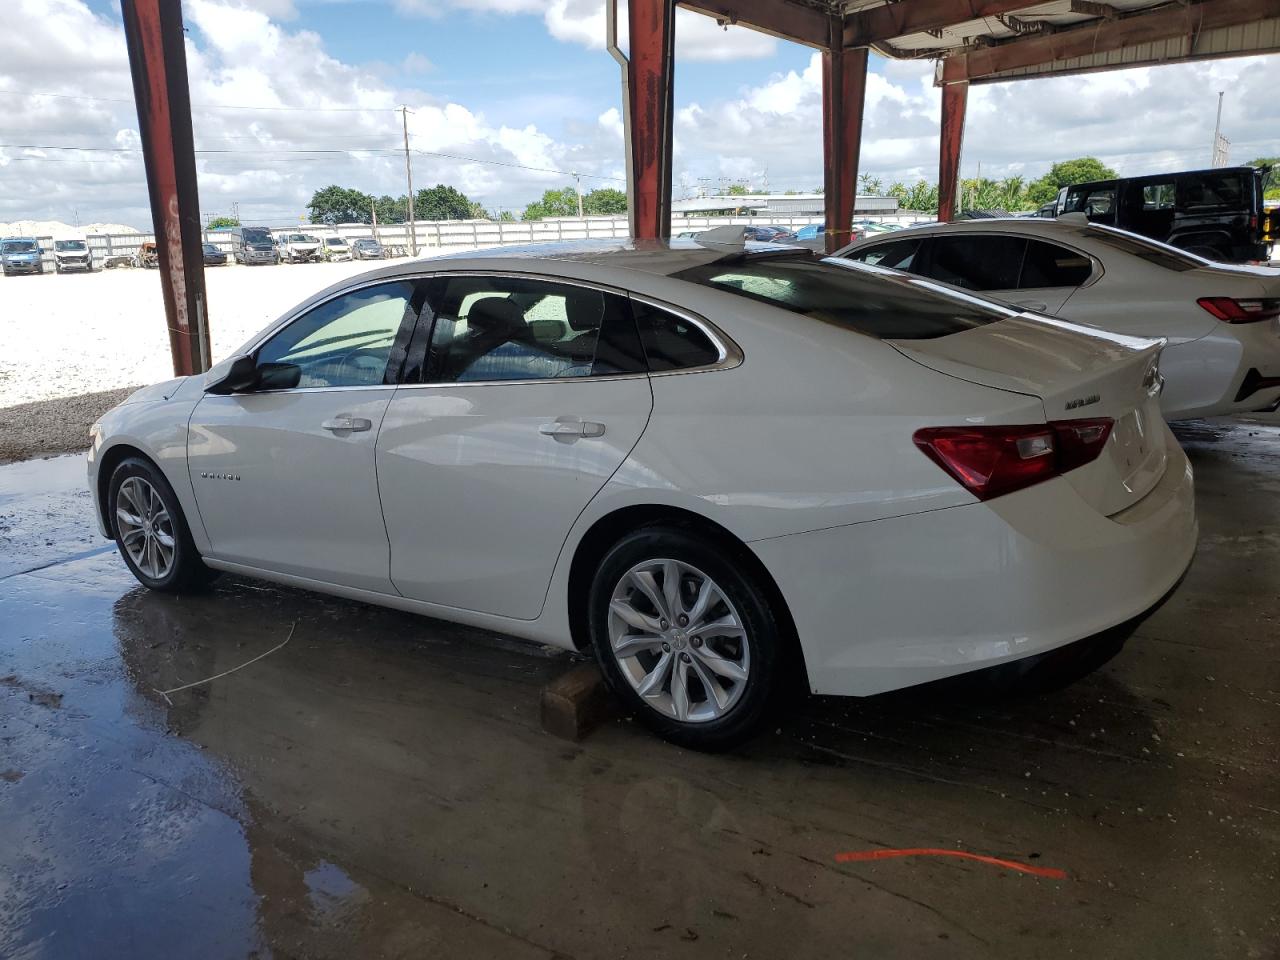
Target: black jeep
[{"x": 1215, "y": 213}]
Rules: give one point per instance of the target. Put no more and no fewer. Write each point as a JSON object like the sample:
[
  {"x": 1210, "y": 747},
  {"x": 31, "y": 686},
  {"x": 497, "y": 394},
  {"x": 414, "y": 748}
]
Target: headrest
[
  {"x": 584, "y": 310},
  {"x": 495, "y": 314}
]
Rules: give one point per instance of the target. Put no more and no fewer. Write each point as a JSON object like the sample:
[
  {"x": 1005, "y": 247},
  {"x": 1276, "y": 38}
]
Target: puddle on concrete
[
  {"x": 381, "y": 787},
  {"x": 46, "y": 513}
]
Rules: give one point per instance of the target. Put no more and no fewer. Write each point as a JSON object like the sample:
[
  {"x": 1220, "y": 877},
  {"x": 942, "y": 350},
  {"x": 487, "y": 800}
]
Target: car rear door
[{"x": 532, "y": 392}]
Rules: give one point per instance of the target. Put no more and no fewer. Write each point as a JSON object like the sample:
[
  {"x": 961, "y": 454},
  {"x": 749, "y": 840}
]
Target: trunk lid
[{"x": 1078, "y": 374}]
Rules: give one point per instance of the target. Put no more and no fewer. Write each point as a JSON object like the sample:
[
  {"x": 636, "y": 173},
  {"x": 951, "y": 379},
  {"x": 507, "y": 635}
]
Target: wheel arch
[
  {"x": 610, "y": 528},
  {"x": 108, "y": 461}
]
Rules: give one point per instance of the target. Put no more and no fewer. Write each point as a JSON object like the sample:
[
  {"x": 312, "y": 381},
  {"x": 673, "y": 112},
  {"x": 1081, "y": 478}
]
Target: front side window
[
  {"x": 976, "y": 262},
  {"x": 514, "y": 328},
  {"x": 894, "y": 254},
  {"x": 1049, "y": 265},
  {"x": 347, "y": 341},
  {"x": 1157, "y": 196}
]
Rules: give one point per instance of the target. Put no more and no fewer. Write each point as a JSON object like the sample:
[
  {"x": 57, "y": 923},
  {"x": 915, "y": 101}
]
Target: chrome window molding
[{"x": 730, "y": 354}]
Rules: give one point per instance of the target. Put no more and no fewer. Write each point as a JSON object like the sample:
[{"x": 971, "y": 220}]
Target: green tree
[
  {"x": 1270, "y": 182},
  {"x": 442, "y": 202},
  {"x": 1064, "y": 174},
  {"x": 554, "y": 203},
  {"x": 604, "y": 201},
  {"x": 222, "y": 223},
  {"x": 736, "y": 190},
  {"x": 870, "y": 186},
  {"x": 336, "y": 204},
  {"x": 920, "y": 197},
  {"x": 392, "y": 209}
]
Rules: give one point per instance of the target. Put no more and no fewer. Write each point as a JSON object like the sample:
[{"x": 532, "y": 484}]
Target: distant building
[{"x": 775, "y": 205}]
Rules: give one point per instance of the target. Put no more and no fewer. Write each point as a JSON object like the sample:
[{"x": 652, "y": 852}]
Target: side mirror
[{"x": 236, "y": 375}]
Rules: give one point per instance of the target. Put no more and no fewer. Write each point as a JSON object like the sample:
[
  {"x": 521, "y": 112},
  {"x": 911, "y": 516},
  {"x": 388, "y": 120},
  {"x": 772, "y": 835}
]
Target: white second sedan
[
  {"x": 719, "y": 469},
  {"x": 1221, "y": 321}
]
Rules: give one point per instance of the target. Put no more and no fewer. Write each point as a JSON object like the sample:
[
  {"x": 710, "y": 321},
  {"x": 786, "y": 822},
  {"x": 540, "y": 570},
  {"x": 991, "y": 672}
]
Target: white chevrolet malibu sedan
[
  {"x": 1221, "y": 321},
  {"x": 717, "y": 468}
]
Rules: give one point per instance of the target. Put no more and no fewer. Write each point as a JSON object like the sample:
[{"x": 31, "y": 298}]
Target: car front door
[
  {"x": 532, "y": 394},
  {"x": 284, "y": 474}
]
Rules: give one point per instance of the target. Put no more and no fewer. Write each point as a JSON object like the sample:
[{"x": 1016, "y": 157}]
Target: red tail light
[
  {"x": 992, "y": 461},
  {"x": 1231, "y": 310}
]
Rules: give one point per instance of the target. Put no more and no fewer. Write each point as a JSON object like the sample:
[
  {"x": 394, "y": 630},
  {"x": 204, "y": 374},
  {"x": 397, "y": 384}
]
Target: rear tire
[
  {"x": 703, "y": 656},
  {"x": 150, "y": 530}
]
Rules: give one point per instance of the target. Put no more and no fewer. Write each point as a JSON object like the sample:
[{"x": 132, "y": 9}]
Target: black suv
[{"x": 1215, "y": 213}]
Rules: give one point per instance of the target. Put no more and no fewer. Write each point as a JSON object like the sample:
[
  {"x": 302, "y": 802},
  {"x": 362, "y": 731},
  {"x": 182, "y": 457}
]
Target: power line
[
  {"x": 518, "y": 166},
  {"x": 203, "y": 106}
]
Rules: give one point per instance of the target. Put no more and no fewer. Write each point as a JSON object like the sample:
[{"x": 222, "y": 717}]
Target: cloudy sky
[{"x": 291, "y": 95}]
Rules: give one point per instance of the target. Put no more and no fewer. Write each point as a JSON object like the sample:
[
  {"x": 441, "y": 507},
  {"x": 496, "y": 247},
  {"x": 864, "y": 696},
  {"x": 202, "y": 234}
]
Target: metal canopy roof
[{"x": 980, "y": 41}]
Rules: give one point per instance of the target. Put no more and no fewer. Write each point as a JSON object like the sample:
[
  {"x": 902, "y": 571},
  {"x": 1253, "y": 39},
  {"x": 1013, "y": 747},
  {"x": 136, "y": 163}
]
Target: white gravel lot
[{"x": 72, "y": 334}]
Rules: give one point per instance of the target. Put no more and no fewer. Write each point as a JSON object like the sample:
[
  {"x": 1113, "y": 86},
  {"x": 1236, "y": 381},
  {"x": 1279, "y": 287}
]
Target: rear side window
[
  {"x": 1159, "y": 254},
  {"x": 847, "y": 294},
  {"x": 976, "y": 262},
  {"x": 1049, "y": 265},
  {"x": 671, "y": 342},
  {"x": 1204, "y": 192},
  {"x": 894, "y": 254}
]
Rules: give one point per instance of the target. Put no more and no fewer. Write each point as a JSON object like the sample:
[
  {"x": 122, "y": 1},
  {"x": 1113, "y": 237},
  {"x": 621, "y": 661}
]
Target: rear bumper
[{"x": 893, "y": 603}]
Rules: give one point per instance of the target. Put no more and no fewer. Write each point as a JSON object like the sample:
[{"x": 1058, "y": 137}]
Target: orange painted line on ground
[{"x": 1053, "y": 873}]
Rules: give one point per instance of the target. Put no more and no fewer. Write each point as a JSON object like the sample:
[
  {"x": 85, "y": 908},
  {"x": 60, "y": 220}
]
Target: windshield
[
  {"x": 879, "y": 303},
  {"x": 256, "y": 235},
  {"x": 65, "y": 245},
  {"x": 336, "y": 242},
  {"x": 19, "y": 246}
]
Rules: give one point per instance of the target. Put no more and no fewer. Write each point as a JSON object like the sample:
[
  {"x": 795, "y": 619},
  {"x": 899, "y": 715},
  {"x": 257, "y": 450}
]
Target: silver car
[{"x": 366, "y": 248}]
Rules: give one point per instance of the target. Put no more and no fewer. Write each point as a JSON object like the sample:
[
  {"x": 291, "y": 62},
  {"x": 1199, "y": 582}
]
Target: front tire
[
  {"x": 151, "y": 531},
  {"x": 686, "y": 637}
]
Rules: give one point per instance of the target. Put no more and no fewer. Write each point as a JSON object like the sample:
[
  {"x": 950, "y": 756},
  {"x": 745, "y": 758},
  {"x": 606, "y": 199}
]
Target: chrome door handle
[
  {"x": 344, "y": 423},
  {"x": 571, "y": 429}
]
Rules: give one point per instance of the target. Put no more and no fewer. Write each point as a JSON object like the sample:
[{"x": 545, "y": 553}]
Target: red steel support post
[
  {"x": 844, "y": 86},
  {"x": 954, "y": 97},
  {"x": 158, "y": 62},
  {"x": 650, "y": 87}
]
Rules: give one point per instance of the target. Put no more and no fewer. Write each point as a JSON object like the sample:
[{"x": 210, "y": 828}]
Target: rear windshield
[
  {"x": 871, "y": 301},
  {"x": 1160, "y": 254}
]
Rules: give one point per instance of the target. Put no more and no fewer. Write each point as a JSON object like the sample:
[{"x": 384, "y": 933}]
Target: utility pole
[
  {"x": 1215, "y": 158},
  {"x": 578, "y": 186},
  {"x": 373, "y": 209},
  {"x": 408, "y": 175}
]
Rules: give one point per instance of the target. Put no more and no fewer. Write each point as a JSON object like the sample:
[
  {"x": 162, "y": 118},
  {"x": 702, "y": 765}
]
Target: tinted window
[
  {"x": 347, "y": 341},
  {"x": 895, "y": 254},
  {"x": 671, "y": 342},
  {"x": 862, "y": 298},
  {"x": 1203, "y": 192},
  {"x": 1160, "y": 254},
  {"x": 1049, "y": 265},
  {"x": 975, "y": 261},
  {"x": 1097, "y": 204},
  {"x": 508, "y": 328}
]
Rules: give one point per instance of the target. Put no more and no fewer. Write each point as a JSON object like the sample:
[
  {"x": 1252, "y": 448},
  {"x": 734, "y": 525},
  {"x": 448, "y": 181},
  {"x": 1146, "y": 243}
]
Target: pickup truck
[{"x": 301, "y": 248}]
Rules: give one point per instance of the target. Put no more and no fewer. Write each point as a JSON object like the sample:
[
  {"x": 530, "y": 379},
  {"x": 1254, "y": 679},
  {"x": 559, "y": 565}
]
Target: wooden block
[{"x": 575, "y": 702}]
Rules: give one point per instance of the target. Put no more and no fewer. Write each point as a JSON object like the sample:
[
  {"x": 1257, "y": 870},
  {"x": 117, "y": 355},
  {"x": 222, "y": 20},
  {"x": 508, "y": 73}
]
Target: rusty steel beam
[
  {"x": 844, "y": 89},
  {"x": 158, "y": 62},
  {"x": 878, "y": 24},
  {"x": 650, "y": 84},
  {"x": 954, "y": 98},
  {"x": 788, "y": 20},
  {"x": 1105, "y": 35}
]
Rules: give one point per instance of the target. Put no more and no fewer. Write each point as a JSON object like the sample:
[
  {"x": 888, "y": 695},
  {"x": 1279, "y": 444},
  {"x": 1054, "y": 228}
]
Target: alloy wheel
[
  {"x": 679, "y": 641},
  {"x": 145, "y": 528}
]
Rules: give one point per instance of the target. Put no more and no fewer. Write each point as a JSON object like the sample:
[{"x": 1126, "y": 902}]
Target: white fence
[{"x": 438, "y": 236}]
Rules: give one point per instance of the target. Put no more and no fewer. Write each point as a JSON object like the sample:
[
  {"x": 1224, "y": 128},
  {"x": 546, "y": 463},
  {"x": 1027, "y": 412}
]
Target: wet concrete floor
[{"x": 380, "y": 787}]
